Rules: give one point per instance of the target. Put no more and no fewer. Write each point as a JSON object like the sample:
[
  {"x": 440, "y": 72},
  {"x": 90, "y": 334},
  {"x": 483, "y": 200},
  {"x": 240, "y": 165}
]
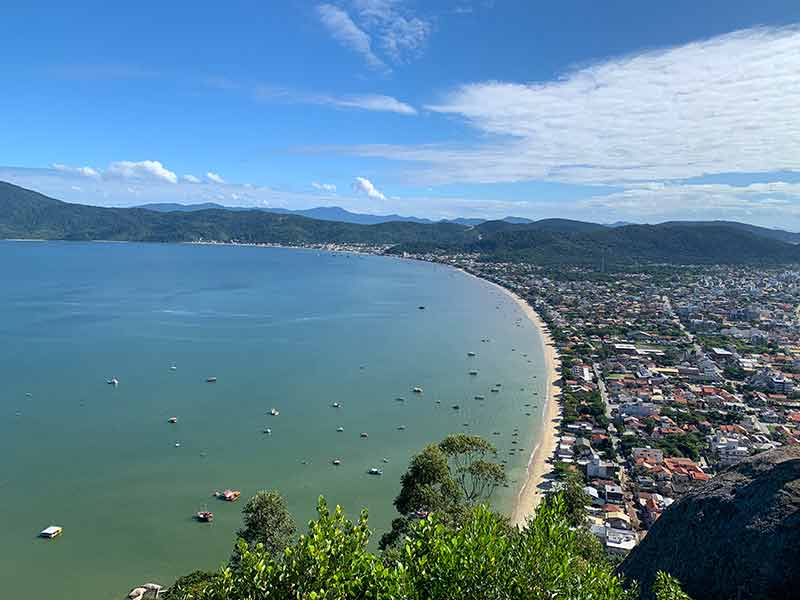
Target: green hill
[{"x": 28, "y": 214}]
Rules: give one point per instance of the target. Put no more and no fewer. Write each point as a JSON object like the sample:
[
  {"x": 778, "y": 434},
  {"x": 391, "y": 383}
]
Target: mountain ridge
[{"x": 29, "y": 214}]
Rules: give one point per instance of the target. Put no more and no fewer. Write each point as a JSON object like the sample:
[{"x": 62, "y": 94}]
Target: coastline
[{"x": 539, "y": 463}]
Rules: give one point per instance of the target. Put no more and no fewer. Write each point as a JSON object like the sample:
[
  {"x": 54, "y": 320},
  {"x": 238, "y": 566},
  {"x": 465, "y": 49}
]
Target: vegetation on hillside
[
  {"x": 28, "y": 214},
  {"x": 463, "y": 551}
]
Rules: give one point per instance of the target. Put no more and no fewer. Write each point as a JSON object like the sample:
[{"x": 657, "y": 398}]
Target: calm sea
[{"x": 296, "y": 330}]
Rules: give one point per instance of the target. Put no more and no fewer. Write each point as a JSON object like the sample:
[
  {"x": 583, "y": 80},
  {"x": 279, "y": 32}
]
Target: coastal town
[{"x": 667, "y": 376}]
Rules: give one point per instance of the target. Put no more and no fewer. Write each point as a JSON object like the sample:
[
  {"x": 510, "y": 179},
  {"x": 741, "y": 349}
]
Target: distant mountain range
[
  {"x": 28, "y": 214},
  {"x": 324, "y": 213}
]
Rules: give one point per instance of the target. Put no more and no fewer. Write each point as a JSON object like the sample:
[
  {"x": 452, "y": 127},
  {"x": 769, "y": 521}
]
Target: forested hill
[{"x": 28, "y": 214}]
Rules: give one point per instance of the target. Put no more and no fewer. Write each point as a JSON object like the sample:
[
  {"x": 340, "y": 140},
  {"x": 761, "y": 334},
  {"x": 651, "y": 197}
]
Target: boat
[
  {"x": 470, "y": 354},
  {"x": 274, "y": 412},
  {"x": 113, "y": 381},
  {"x": 473, "y": 372},
  {"x": 421, "y": 307},
  {"x": 172, "y": 367},
  {"x": 204, "y": 516},
  {"x": 401, "y": 428},
  {"x": 211, "y": 380},
  {"x": 456, "y": 407},
  {"x": 177, "y": 444},
  {"x": 386, "y": 460},
  {"x": 417, "y": 390},
  {"x": 364, "y": 434},
  {"x": 479, "y": 397},
  {"x": 336, "y": 461},
  {"x": 375, "y": 471},
  {"x": 51, "y": 532},
  {"x": 340, "y": 429},
  {"x": 268, "y": 431},
  {"x": 400, "y": 399},
  {"x": 172, "y": 420},
  {"x": 228, "y": 495},
  {"x": 495, "y": 390},
  {"x": 336, "y": 405}
]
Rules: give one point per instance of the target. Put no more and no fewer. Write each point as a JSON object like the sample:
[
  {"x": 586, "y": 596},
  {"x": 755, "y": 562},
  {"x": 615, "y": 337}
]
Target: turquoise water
[{"x": 292, "y": 329}]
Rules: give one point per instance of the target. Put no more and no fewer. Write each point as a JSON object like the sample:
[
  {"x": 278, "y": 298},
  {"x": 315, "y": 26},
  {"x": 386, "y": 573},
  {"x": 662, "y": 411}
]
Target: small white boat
[
  {"x": 470, "y": 354},
  {"x": 364, "y": 434},
  {"x": 340, "y": 429},
  {"x": 51, "y": 532},
  {"x": 177, "y": 444},
  {"x": 113, "y": 381},
  {"x": 172, "y": 367},
  {"x": 336, "y": 405},
  {"x": 274, "y": 412},
  {"x": 336, "y": 461},
  {"x": 417, "y": 390},
  {"x": 401, "y": 428},
  {"x": 172, "y": 420},
  {"x": 375, "y": 471},
  {"x": 268, "y": 431}
]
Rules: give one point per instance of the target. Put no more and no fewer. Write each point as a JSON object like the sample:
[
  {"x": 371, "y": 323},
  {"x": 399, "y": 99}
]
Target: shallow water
[{"x": 292, "y": 329}]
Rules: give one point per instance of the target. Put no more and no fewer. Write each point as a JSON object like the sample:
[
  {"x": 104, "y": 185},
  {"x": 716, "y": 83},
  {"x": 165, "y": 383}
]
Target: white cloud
[
  {"x": 400, "y": 32},
  {"x": 346, "y": 32},
  {"x": 370, "y": 102},
  {"x": 144, "y": 169},
  {"x": 324, "y": 187},
  {"x": 727, "y": 104},
  {"x": 213, "y": 177},
  {"x": 190, "y": 178},
  {"x": 365, "y": 186},
  {"x": 84, "y": 171}
]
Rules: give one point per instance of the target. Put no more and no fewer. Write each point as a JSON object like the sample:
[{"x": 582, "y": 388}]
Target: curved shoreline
[{"x": 539, "y": 464}]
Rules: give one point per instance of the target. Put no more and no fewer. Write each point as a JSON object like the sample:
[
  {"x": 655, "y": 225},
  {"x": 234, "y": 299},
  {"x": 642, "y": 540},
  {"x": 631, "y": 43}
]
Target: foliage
[
  {"x": 267, "y": 521},
  {"x": 575, "y": 500},
  {"x": 483, "y": 559},
  {"x": 667, "y": 587},
  {"x": 477, "y": 477},
  {"x": 189, "y": 586}
]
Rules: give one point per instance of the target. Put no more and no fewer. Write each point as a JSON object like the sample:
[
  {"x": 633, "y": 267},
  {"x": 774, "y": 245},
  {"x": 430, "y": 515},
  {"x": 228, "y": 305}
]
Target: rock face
[{"x": 737, "y": 537}]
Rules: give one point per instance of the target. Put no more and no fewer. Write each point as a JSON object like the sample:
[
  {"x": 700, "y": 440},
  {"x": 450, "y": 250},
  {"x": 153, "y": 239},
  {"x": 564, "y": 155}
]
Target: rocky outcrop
[{"x": 737, "y": 537}]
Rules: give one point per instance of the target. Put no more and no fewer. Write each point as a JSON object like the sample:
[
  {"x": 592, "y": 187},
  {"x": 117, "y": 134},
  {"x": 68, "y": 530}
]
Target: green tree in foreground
[
  {"x": 483, "y": 559},
  {"x": 267, "y": 521}
]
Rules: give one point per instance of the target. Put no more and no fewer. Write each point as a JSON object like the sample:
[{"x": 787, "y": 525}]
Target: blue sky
[{"x": 600, "y": 111}]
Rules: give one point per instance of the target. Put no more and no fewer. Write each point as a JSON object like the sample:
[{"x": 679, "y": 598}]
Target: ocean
[{"x": 290, "y": 329}]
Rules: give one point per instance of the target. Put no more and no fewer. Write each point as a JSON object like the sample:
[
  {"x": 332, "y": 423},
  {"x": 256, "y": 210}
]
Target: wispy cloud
[
  {"x": 361, "y": 185},
  {"x": 344, "y": 30},
  {"x": 84, "y": 171},
  {"x": 370, "y": 102},
  {"x": 324, "y": 187},
  {"x": 400, "y": 32},
  {"x": 214, "y": 178},
  {"x": 723, "y": 105}
]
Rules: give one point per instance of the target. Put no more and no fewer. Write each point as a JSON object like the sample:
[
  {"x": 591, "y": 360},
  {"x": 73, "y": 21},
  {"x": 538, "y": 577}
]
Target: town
[{"x": 668, "y": 375}]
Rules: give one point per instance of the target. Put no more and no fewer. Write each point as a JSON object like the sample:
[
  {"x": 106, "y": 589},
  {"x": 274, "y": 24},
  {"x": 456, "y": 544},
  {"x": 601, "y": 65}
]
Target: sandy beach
[{"x": 539, "y": 464}]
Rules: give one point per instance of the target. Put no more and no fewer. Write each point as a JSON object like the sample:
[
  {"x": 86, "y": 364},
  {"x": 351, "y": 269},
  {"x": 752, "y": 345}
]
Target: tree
[
  {"x": 575, "y": 500},
  {"x": 477, "y": 477},
  {"x": 266, "y": 521}
]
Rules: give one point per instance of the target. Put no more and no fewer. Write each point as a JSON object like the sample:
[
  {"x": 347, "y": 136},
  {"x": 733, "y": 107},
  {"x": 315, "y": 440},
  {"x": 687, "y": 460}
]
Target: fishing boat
[
  {"x": 364, "y": 434},
  {"x": 228, "y": 495},
  {"x": 204, "y": 516},
  {"x": 113, "y": 381},
  {"x": 456, "y": 407},
  {"x": 473, "y": 372},
  {"x": 417, "y": 390},
  {"x": 479, "y": 397},
  {"x": 268, "y": 431},
  {"x": 274, "y": 412},
  {"x": 401, "y": 428},
  {"x": 172, "y": 367},
  {"x": 51, "y": 532},
  {"x": 172, "y": 420},
  {"x": 400, "y": 399},
  {"x": 336, "y": 405},
  {"x": 211, "y": 380},
  {"x": 336, "y": 461},
  {"x": 177, "y": 444},
  {"x": 421, "y": 307},
  {"x": 470, "y": 354},
  {"x": 340, "y": 429},
  {"x": 375, "y": 471}
]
